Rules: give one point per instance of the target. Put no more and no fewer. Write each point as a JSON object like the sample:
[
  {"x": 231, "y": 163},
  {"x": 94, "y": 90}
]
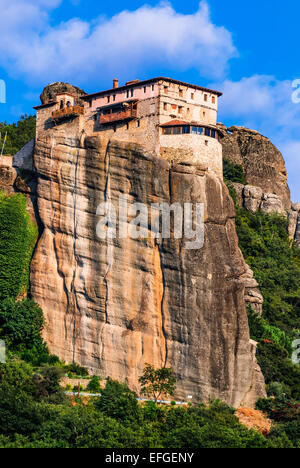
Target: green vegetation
[
  {"x": 275, "y": 261},
  {"x": 18, "y": 134},
  {"x": 233, "y": 172},
  {"x": 35, "y": 414},
  {"x": 94, "y": 385},
  {"x": 156, "y": 383},
  {"x": 17, "y": 239}
]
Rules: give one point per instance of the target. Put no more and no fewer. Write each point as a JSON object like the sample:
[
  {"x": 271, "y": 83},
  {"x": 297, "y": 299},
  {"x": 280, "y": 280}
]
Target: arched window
[{"x": 68, "y": 104}]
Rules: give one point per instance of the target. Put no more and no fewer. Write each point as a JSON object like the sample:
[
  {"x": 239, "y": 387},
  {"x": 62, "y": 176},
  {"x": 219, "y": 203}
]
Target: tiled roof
[
  {"x": 152, "y": 80},
  {"x": 175, "y": 122}
]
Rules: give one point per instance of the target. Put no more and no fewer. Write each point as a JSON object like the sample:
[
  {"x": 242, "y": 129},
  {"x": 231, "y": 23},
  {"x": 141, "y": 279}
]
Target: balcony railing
[
  {"x": 117, "y": 116},
  {"x": 72, "y": 111}
]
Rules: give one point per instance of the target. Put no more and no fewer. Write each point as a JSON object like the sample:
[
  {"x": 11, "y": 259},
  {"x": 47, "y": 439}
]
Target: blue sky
[{"x": 248, "y": 50}]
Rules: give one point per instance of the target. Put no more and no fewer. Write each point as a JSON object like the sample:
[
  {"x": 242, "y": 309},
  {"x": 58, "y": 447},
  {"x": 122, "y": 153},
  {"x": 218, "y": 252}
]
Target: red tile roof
[
  {"x": 152, "y": 80},
  {"x": 175, "y": 122}
]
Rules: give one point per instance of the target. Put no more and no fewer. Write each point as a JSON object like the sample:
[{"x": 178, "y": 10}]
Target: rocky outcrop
[
  {"x": 114, "y": 305},
  {"x": 253, "y": 199},
  {"x": 262, "y": 162},
  {"x": 8, "y": 175},
  {"x": 294, "y": 223},
  {"x": 50, "y": 92}
]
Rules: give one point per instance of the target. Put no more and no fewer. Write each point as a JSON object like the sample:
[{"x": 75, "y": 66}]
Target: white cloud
[{"x": 125, "y": 44}]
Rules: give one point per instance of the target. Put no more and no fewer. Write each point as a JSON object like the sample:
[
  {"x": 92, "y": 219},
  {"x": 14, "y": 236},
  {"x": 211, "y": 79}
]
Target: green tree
[
  {"x": 118, "y": 401},
  {"x": 157, "y": 382},
  {"x": 94, "y": 385},
  {"x": 21, "y": 323},
  {"x": 18, "y": 134}
]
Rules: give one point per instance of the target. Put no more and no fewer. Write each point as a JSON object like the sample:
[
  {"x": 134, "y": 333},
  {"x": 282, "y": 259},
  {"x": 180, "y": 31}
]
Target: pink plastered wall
[{"x": 121, "y": 95}]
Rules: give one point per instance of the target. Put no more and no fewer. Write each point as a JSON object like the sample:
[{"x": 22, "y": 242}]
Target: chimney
[{"x": 115, "y": 83}]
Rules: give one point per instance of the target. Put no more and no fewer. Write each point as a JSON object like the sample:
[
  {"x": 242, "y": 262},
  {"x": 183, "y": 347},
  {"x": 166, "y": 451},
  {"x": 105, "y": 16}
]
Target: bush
[
  {"x": 17, "y": 239},
  {"x": 233, "y": 172},
  {"x": 94, "y": 385},
  {"x": 76, "y": 370},
  {"x": 118, "y": 401}
]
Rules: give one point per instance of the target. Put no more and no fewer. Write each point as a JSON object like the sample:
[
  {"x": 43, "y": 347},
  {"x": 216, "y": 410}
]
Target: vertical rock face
[
  {"x": 262, "y": 162},
  {"x": 114, "y": 305},
  {"x": 8, "y": 175}
]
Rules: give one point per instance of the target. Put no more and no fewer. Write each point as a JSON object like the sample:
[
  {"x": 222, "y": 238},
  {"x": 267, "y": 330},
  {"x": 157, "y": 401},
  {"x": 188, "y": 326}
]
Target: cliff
[
  {"x": 263, "y": 164},
  {"x": 115, "y": 305},
  {"x": 265, "y": 172}
]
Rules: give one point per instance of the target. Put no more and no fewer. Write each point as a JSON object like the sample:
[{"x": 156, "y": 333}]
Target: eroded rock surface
[
  {"x": 262, "y": 162},
  {"x": 8, "y": 175},
  {"x": 114, "y": 305}
]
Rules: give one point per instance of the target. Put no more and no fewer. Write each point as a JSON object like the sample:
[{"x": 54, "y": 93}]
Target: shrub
[
  {"x": 118, "y": 401},
  {"x": 17, "y": 239},
  {"x": 94, "y": 385},
  {"x": 233, "y": 172}
]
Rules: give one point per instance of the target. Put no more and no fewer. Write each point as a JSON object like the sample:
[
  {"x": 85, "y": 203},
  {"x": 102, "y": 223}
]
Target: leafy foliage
[
  {"x": 233, "y": 172},
  {"x": 94, "y": 385},
  {"x": 18, "y": 134},
  {"x": 17, "y": 239},
  {"x": 157, "y": 382},
  {"x": 266, "y": 246},
  {"x": 118, "y": 401}
]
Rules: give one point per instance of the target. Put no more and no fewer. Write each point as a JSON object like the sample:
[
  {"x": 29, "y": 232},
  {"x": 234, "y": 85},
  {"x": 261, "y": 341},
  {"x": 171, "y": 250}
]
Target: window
[
  {"x": 138, "y": 123},
  {"x": 213, "y": 99},
  {"x": 180, "y": 93},
  {"x": 204, "y": 115},
  {"x": 62, "y": 104},
  {"x": 178, "y": 130},
  {"x": 205, "y": 97},
  {"x": 165, "y": 106},
  {"x": 131, "y": 92},
  {"x": 114, "y": 97},
  {"x": 127, "y": 93},
  {"x": 127, "y": 126},
  {"x": 108, "y": 99},
  {"x": 197, "y": 130},
  {"x": 180, "y": 109},
  {"x": 166, "y": 89},
  {"x": 192, "y": 95},
  {"x": 207, "y": 132},
  {"x": 213, "y": 133},
  {"x": 206, "y": 142},
  {"x": 145, "y": 89},
  {"x": 152, "y": 87}
]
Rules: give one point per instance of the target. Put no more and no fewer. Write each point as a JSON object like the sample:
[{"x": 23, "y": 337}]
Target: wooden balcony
[
  {"x": 114, "y": 114},
  {"x": 72, "y": 111}
]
